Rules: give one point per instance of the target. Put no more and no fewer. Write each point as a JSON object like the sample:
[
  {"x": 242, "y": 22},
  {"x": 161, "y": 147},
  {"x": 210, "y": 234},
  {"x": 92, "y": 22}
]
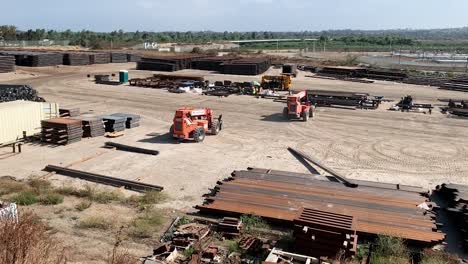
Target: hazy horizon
[{"x": 240, "y": 15}]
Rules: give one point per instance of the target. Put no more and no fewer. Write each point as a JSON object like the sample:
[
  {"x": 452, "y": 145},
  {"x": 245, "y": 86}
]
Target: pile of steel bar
[
  {"x": 13, "y": 92},
  {"x": 280, "y": 196},
  {"x": 35, "y": 59},
  {"x": 342, "y": 71},
  {"x": 212, "y": 63},
  {"x": 324, "y": 234},
  {"x": 131, "y": 148},
  {"x": 340, "y": 98},
  {"x": 112, "y": 181},
  {"x": 69, "y": 112},
  {"x": 92, "y": 127},
  {"x": 118, "y": 57},
  {"x": 99, "y": 58},
  {"x": 61, "y": 131},
  {"x": 168, "y": 63},
  {"x": 76, "y": 58},
  {"x": 247, "y": 66},
  {"x": 131, "y": 120},
  {"x": 456, "y": 198},
  {"x": 114, "y": 123},
  {"x": 7, "y": 64},
  {"x": 133, "y": 57}
]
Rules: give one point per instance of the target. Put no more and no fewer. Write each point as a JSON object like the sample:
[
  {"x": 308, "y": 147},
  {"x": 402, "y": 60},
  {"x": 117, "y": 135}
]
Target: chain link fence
[{"x": 43, "y": 43}]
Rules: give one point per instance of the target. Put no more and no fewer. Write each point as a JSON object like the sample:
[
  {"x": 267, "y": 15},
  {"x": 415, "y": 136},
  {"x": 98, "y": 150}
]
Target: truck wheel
[
  {"x": 215, "y": 128},
  {"x": 285, "y": 112},
  {"x": 305, "y": 116},
  {"x": 199, "y": 134},
  {"x": 312, "y": 112}
]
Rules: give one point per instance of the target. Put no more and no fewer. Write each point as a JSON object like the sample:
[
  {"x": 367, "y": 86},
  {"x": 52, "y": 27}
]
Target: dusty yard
[{"x": 406, "y": 148}]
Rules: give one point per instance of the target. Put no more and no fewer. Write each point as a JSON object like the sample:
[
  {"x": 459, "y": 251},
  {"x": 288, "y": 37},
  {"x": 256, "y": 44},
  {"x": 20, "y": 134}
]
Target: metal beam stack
[
  {"x": 251, "y": 66},
  {"x": 118, "y": 57},
  {"x": 114, "y": 123},
  {"x": 456, "y": 197},
  {"x": 280, "y": 195},
  {"x": 133, "y": 57},
  {"x": 35, "y": 59},
  {"x": 93, "y": 127},
  {"x": 76, "y": 58},
  {"x": 7, "y": 64},
  {"x": 61, "y": 131},
  {"x": 168, "y": 63},
  {"x": 69, "y": 112},
  {"x": 99, "y": 58},
  {"x": 212, "y": 63},
  {"x": 132, "y": 120}
]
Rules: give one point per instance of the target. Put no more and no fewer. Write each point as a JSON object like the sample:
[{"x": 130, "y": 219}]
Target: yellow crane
[{"x": 276, "y": 82}]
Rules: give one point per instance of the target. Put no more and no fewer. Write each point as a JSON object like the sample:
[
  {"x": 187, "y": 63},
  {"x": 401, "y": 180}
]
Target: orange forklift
[
  {"x": 299, "y": 107},
  {"x": 190, "y": 123}
]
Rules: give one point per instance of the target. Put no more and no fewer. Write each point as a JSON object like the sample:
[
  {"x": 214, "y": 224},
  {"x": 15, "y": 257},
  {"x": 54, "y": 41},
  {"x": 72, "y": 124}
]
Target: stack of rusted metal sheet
[
  {"x": 456, "y": 198},
  {"x": 168, "y": 63},
  {"x": 324, "y": 234},
  {"x": 114, "y": 123},
  {"x": 76, "y": 58},
  {"x": 230, "y": 226},
  {"x": 131, "y": 57},
  {"x": 93, "y": 127},
  {"x": 61, "y": 131},
  {"x": 131, "y": 120},
  {"x": 247, "y": 66},
  {"x": 7, "y": 64},
  {"x": 99, "y": 58},
  {"x": 69, "y": 112},
  {"x": 278, "y": 195},
  {"x": 118, "y": 57}
]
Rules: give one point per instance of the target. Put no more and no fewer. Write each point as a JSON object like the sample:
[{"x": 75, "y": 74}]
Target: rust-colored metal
[{"x": 374, "y": 210}]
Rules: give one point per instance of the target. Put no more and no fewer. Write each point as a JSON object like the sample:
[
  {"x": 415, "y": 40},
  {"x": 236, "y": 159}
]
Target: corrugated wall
[{"x": 19, "y": 116}]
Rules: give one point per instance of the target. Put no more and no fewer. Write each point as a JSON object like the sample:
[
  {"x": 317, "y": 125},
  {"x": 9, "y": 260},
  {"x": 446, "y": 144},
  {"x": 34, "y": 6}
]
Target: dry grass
[
  {"x": 95, "y": 222},
  {"x": 8, "y": 186},
  {"x": 438, "y": 257},
  {"x": 51, "y": 198},
  {"x": 28, "y": 242},
  {"x": 83, "y": 205},
  {"x": 146, "y": 225}
]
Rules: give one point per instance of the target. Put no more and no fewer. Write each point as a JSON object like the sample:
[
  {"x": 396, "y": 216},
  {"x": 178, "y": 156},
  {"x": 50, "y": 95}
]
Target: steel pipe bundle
[
  {"x": 131, "y": 120},
  {"x": 118, "y": 57},
  {"x": 133, "y": 57},
  {"x": 7, "y": 64},
  {"x": 253, "y": 66},
  {"x": 99, "y": 58},
  {"x": 13, "y": 92},
  {"x": 167, "y": 63},
  {"x": 114, "y": 123},
  {"x": 76, "y": 58},
  {"x": 213, "y": 63}
]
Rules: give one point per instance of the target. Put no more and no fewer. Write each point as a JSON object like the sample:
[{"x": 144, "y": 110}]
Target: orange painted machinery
[
  {"x": 190, "y": 123},
  {"x": 299, "y": 107}
]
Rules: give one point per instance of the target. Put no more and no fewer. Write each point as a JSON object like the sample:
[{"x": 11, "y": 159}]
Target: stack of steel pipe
[
  {"x": 7, "y": 64},
  {"x": 118, "y": 57},
  {"x": 212, "y": 64},
  {"x": 456, "y": 198},
  {"x": 99, "y": 58},
  {"x": 251, "y": 66},
  {"x": 132, "y": 120},
  {"x": 279, "y": 195},
  {"x": 13, "y": 92},
  {"x": 35, "y": 59},
  {"x": 61, "y": 131},
  {"x": 114, "y": 123},
  {"x": 167, "y": 63},
  {"x": 76, "y": 58},
  {"x": 92, "y": 127},
  {"x": 133, "y": 57}
]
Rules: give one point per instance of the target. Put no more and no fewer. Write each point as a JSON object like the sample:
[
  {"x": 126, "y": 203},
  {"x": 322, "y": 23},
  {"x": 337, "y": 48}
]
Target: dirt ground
[{"x": 406, "y": 148}]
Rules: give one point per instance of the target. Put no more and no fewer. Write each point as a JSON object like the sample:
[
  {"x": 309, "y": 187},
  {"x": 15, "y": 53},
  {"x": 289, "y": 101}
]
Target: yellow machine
[{"x": 276, "y": 82}]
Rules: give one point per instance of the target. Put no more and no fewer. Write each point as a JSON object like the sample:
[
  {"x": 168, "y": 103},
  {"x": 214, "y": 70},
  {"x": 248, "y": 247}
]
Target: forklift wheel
[
  {"x": 215, "y": 127},
  {"x": 199, "y": 134},
  {"x": 286, "y": 112},
  {"x": 171, "y": 130},
  {"x": 305, "y": 116},
  {"x": 312, "y": 112}
]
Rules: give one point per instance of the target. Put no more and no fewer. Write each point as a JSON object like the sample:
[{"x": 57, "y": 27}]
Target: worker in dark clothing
[
  {"x": 451, "y": 104},
  {"x": 463, "y": 104}
]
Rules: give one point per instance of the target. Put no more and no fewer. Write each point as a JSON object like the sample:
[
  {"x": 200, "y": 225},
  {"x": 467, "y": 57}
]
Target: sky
[{"x": 233, "y": 15}]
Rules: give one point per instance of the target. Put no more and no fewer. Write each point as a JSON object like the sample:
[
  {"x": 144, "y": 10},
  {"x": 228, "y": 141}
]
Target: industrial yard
[{"x": 373, "y": 146}]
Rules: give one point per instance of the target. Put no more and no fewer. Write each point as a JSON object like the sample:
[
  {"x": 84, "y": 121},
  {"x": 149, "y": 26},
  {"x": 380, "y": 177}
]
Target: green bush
[
  {"x": 438, "y": 257},
  {"x": 95, "y": 222},
  {"x": 390, "y": 250},
  {"x": 145, "y": 225},
  {"x": 252, "y": 223},
  {"x": 51, "y": 199},
  {"x": 25, "y": 198},
  {"x": 39, "y": 185}
]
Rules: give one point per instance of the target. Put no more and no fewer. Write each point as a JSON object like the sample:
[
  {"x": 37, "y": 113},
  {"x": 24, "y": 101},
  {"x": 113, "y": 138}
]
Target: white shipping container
[{"x": 20, "y": 117}]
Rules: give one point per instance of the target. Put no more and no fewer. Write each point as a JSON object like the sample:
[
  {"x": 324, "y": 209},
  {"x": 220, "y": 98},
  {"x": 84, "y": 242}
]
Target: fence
[{"x": 24, "y": 43}]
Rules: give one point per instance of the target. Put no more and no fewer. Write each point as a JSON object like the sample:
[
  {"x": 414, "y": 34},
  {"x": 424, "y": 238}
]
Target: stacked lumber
[
  {"x": 118, "y": 57},
  {"x": 131, "y": 120},
  {"x": 7, "y": 64},
  {"x": 93, "y": 127},
  {"x": 76, "y": 58},
  {"x": 324, "y": 234},
  {"x": 99, "y": 58},
  {"x": 114, "y": 123},
  {"x": 251, "y": 66},
  {"x": 456, "y": 197},
  {"x": 69, "y": 112},
  {"x": 61, "y": 131},
  {"x": 13, "y": 92},
  {"x": 280, "y": 195}
]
